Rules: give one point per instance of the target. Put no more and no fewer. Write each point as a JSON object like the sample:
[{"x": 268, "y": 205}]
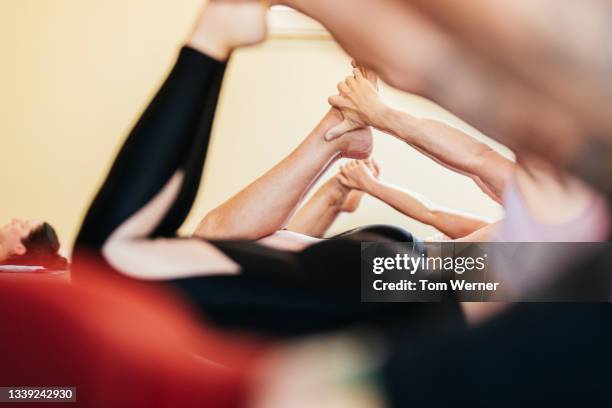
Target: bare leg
[
  {"x": 414, "y": 54},
  {"x": 320, "y": 212},
  {"x": 211, "y": 36},
  {"x": 266, "y": 205},
  {"x": 559, "y": 47},
  {"x": 133, "y": 221},
  {"x": 352, "y": 201}
]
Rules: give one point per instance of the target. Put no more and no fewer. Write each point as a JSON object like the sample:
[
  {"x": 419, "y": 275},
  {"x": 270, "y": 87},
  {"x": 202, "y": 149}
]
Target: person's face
[{"x": 13, "y": 233}]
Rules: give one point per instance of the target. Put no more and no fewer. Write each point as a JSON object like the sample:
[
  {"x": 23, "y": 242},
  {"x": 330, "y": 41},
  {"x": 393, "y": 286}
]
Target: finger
[
  {"x": 338, "y": 130},
  {"x": 337, "y": 101},
  {"x": 369, "y": 74},
  {"x": 358, "y": 74},
  {"x": 376, "y": 167},
  {"x": 343, "y": 88},
  {"x": 350, "y": 81},
  {"x": 360, "y": 66}
]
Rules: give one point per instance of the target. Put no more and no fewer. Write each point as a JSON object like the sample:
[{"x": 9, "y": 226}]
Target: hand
[
  {"x": 359, "y": 175},
  {"x": 358, "y": 101}
]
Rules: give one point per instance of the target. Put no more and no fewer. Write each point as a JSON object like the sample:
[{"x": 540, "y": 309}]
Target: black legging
[{"x": 276, "y": 292}]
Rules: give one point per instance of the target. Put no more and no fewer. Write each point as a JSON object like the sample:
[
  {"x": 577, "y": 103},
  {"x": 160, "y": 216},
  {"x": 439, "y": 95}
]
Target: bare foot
[
  {"x": 352, "y": 118},
  {"x": 225, "y": 25},
  {"x": 356, "y": 144},
  {"x": 353, "y": 199},
  {"x": 369, "y": 74}
]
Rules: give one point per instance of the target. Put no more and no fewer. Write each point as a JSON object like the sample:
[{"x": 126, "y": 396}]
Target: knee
[
  {"x": 215, "y": 226},
  {"x": 209, "y": 227}
]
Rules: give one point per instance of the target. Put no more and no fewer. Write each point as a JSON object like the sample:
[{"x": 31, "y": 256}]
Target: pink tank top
[
  {"x": 531, "y": 266},
  {"x": 592, "y": 225}
]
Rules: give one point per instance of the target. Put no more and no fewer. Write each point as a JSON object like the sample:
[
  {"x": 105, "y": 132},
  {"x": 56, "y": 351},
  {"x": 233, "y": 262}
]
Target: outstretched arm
[
  {"x": 450, "y": 222},
  {"x": 452, "y": 148},
  {"x": 361, "y": 106}
]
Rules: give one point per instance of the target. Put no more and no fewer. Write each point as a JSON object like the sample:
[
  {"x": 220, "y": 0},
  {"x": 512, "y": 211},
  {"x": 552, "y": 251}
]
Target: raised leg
[{"x": 267, "y": 204}]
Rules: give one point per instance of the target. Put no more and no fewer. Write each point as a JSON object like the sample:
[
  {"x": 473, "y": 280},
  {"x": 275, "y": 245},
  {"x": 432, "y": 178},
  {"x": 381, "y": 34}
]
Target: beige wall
[{"x": 75, "y": 74}]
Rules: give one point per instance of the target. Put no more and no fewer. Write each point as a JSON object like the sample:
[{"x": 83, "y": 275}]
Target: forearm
[
  {"x": 452, "y": 223},
  {"x": 455, "y": 224},
  {"x": 320, "y": 212},
  {"x": 450, "y": 147},
  {"x": 265, "y": 205}
]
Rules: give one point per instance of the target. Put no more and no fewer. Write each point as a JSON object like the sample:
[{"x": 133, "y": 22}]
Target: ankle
[
  {"x": 209, "y": 45},
  {"x": 331, "y": 149},
  {"x": 357, "y": 144},
  {"x": 224, "y": 26},
  {"x": 336, "y": 193},
  {"x": 207, "y": 38}
]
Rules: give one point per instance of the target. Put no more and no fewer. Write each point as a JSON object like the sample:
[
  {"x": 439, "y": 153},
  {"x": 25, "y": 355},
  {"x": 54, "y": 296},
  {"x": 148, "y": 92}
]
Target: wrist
[
  {"x": 367, "y": 185},
  {"x": 400, "y": 124},
  {"x": 373, "y": 187},
  {"x": 381, "y": 116}
]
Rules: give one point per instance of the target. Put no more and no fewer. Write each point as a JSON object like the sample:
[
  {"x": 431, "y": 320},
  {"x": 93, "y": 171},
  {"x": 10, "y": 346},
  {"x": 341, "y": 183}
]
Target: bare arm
[
  {"x": 454, "y": 149},
  {"x": 452, "y": 223},
  {"x": 451, "y": 148}
]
